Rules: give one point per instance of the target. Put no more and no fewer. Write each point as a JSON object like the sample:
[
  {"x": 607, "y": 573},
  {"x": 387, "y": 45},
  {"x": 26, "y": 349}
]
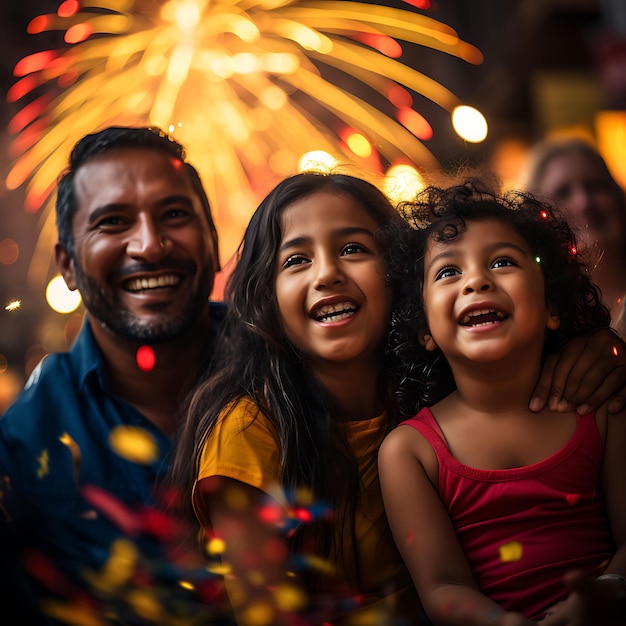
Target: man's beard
[{"x": 103, "y": 305}]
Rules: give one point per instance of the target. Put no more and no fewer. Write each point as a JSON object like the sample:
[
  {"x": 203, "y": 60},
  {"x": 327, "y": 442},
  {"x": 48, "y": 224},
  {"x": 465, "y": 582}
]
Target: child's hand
[
  {"x": 587, "y": 372},
  {"x": 592, "y": 603}
]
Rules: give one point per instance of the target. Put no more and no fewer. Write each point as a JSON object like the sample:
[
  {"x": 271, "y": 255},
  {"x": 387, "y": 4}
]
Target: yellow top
[{"x": 242, "y": 447}]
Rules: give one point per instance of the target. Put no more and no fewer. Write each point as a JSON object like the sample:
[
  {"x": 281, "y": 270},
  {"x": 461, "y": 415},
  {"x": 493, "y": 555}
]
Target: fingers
[
  {"x": 588, "y": 372},
  {"x": 557, "y": 377},
  {"x": 543, "y": 387}
]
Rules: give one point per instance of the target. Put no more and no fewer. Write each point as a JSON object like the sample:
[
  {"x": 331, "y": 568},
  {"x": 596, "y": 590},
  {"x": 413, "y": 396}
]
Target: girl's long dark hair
[
  {"x": 253, "y": 358},
  {"x": 423, "y": 378}
]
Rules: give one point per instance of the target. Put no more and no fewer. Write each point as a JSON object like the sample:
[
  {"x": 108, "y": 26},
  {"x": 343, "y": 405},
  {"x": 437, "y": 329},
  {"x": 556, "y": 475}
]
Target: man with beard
[{"x": 83, "y": 450}]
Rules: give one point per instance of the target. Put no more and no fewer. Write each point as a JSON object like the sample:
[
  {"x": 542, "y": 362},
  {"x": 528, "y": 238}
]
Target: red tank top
[{"x": 522, "y": 529}]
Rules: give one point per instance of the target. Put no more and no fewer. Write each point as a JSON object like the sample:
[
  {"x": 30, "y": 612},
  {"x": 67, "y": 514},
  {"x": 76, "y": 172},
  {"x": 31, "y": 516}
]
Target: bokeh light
[
  {"x": 402, "y": 182},
  {"x": 469, "y": 124},
  {"x": 317, "y": 161},
  {"x": 60, "y": 298},
  {"x": 9, "y": 251}
]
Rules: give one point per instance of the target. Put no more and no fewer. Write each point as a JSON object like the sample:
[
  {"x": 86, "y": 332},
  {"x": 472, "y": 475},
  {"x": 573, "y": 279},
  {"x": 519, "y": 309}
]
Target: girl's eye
[
  {"x": 294, "y": 259},
  {"x": 353, "y": 248},
  {"x": 504, "y": 262},
  {"x": 446, "y": 272}
]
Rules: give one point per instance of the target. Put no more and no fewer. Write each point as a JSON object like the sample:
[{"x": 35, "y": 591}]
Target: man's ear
[
  {"x": 65, "y": 263},
  {"x": 426, "y": 340},
  {"x": 554, "y": 319}
]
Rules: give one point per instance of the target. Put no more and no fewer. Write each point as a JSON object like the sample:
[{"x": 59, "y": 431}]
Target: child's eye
[
  {"x": 353, "y": 248},
  {"x": 446, "y": 272},
  {"x": 504, "y": 262},
  {"x": 295, "y": 259}
]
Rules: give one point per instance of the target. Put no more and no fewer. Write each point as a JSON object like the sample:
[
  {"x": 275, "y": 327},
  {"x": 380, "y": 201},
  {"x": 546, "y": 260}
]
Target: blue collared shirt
[{"x": 55, "y": 450}]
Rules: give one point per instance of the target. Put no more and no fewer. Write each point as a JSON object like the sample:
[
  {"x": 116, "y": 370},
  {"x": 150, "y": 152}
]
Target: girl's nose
[
  {"x": 328, "y": 272},
  {"x": 478, "y": 281}
]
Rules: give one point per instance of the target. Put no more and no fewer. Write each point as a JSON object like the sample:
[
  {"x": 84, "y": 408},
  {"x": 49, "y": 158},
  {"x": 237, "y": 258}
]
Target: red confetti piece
[
  {"x": 146, "y": 359},
  {"x": 572, "y": 498},
  {"x": 270, "y": 513},
  {"x": 113, "y": 508},
  {"x": 303, "y": 515}
]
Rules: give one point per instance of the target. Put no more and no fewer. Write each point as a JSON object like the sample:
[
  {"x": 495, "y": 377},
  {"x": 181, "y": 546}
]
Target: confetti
[
  {"x": 572, "y": 498},
  {"x": 216, "y": 546},
  {"x": 146, "y": 358},
  {"x": 134, "y": 444},
  {"x": 290, "y": 598},
  {"x": 43, "y": 459},
  {"x": 259, "y": 614},
  {"x": 77, "y": 457},
  {"x": 511, "y": 551},
  {"x": 113, "y": 508}
]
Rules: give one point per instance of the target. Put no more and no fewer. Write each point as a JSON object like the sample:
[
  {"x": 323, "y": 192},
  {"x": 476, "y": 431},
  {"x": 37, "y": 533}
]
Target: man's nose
[{"x": 147, "y": 241}]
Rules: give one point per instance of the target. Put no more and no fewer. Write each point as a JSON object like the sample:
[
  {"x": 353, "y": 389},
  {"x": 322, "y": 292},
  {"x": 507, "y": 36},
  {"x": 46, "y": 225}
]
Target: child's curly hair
[{"x": 441, "y": 214}]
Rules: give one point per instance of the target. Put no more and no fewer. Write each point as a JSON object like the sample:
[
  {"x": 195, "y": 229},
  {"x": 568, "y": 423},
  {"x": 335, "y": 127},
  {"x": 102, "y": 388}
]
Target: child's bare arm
[{"x": 426, "y": 538}]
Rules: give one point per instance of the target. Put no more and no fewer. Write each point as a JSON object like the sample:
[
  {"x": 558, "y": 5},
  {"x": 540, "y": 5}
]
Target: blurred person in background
[{"x": 573, "y": 174}]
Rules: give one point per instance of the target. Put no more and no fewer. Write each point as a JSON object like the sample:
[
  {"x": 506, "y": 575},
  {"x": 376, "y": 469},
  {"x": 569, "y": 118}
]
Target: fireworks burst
[{"x": 247, "y": 86}]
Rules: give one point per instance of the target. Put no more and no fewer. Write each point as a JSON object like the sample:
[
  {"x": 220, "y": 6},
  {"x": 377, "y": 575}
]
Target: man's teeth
[
  {"x": 140, "y": 284},
  {"x": 482, "y": 317},
  {"x": 335, "y": 312}
]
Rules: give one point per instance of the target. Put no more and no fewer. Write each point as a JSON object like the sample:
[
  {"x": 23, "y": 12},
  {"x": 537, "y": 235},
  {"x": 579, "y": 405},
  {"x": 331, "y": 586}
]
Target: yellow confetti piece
[
  {"x": 219, "y": 569},
  {"x": 259, "y": 614},
  {"x": 318, "y": 563},
  {"x": 118, "y": 568},
  {"x": 134, "y": 444},
  {"x": 42, "y": 459},
  {"x": 146, "y": 605},
  {"x": 511, "y": 551},
  {"x": 185, "y": 584},
  {"x": 77, "y": 457},
  {"x": 290, "y": 598},
  {"x": 70, "y": 614},
  {"x": 216, "y": 546}
]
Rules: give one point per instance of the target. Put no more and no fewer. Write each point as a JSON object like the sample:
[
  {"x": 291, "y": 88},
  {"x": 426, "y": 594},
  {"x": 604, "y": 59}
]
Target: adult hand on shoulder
[{"x": 587, "y": 372}]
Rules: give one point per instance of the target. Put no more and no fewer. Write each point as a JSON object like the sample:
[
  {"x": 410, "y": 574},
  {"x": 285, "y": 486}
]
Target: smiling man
[{"x": 84, "y": 447}]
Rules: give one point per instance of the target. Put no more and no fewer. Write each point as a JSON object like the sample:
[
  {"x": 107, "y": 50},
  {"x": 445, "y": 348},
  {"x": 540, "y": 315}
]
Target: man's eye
[
  {"x": 177, "y": 212},
  {"x": 113, "y": 220},
  {"x": 294, "y": 259},
  {"x": 446, "y": 272}
]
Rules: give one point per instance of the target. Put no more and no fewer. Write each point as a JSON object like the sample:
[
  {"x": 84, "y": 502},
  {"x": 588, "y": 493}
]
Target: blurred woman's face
[{"x": 595, "y": 208}]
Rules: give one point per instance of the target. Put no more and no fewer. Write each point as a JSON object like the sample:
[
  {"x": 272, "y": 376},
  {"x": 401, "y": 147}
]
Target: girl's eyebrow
[
  {"x": 340, "y": 232},
  {"x": 492, "y": 248}
]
